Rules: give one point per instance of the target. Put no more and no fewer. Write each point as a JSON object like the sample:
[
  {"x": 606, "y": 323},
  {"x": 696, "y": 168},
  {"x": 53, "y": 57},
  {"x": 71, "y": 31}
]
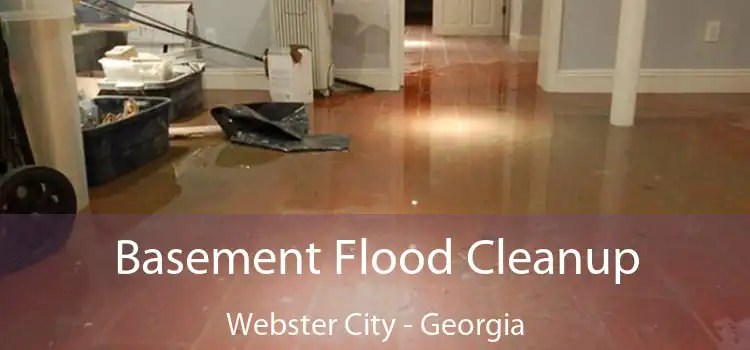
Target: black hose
[{"x": 158, "y": 25}]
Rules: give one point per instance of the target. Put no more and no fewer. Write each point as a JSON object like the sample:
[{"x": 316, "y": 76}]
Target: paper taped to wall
[
  {"x": 290, "y": 75},
  {"x": 280, "y": 78}
]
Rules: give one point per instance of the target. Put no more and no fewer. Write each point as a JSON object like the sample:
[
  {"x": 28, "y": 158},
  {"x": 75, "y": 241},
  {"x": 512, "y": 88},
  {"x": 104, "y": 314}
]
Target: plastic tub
[
  {"x": 115, "y": 149},
  {"x": 185, "y": 90},
  {"x": 136, "y": 72}
]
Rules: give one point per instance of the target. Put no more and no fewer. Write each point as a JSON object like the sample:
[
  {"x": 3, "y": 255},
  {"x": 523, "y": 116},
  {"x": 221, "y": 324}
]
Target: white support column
[
  {"x": 516, "y": 19},
  {"x": 628, "y": 62},
  {"x": 615, "y": 177}
]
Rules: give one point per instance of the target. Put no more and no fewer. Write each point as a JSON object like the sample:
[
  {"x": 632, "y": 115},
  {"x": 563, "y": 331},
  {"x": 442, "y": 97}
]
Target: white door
[{"x": 468, "y": 17}]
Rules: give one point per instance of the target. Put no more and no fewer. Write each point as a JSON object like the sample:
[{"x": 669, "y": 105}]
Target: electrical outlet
[
  {"x": 210, "y": 34},
  {"x": 713, "y": 29}
]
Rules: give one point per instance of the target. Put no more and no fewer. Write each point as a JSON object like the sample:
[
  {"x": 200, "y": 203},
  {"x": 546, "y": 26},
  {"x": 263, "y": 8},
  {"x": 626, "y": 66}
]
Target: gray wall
[
  {"x": 674, "y": 34},
  {"x": 239, "y": 24},
  {"x": 531, "y": 24},
  {"x": 526, "y": 17},
  {"x": 360, "y": 35}
]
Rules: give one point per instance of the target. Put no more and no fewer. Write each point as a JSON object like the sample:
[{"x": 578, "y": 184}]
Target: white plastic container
[
  {"x": 136, "y": 71},
  {"x": 180, "y": 72}
]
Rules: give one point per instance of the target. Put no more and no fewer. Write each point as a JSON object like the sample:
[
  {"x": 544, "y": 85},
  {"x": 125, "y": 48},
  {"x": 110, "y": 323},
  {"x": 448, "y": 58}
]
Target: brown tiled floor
[{"x": 470, "y": 134}]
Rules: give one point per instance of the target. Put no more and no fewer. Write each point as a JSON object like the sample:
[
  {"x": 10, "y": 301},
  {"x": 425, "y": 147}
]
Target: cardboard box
[{"x": 178, "y": 14}]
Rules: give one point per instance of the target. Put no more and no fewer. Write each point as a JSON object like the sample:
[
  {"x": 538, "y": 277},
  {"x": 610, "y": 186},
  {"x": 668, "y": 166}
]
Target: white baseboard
[
  {"x": 524, "y": 42},
  {"x": 655, "y": 81},
  {"x": 255, "y": 78}
]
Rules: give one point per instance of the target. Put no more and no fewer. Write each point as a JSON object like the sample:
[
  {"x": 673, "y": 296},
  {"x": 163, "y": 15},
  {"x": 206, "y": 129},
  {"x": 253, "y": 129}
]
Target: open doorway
[
  {"x": 418, "y": 12},
  {"x": 415, "y": 20}
]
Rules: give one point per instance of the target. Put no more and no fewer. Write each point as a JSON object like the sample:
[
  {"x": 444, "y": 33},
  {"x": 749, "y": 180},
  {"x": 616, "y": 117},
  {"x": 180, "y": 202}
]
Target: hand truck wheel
[{"x": 38, "y": 208}]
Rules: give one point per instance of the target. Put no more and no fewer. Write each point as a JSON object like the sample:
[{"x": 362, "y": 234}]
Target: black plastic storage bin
[
  {"x": 115, "y": 149},
  {"x": 185, "y": 91}
]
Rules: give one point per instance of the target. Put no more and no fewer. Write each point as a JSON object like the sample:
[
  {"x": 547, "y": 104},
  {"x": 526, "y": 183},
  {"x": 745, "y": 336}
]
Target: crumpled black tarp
[{"x": 281, "y": 126}]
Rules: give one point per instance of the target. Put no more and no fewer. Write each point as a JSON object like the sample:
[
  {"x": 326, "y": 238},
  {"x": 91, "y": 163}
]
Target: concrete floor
[{"x": 470, "y": 134}]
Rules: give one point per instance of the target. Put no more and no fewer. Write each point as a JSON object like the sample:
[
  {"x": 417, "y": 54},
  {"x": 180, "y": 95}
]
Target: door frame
[{"x": 550, "y": 41}]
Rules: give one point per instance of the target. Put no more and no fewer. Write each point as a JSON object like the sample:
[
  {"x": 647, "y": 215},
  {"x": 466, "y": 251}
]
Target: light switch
[{"x": 713, "y": 30}]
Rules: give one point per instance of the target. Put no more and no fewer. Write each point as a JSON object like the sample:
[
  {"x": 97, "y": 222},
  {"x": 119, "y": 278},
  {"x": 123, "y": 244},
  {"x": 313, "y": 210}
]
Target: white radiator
[{"x": 308, "y": 23}]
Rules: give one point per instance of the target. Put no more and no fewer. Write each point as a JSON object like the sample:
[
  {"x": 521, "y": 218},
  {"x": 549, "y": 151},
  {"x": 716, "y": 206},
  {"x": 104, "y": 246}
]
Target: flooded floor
[{"x": 470, "y": 134}]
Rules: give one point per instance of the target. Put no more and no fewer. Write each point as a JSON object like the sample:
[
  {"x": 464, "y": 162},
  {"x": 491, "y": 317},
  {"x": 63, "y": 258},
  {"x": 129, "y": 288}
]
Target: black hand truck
[{"x": 38, "y": 204}]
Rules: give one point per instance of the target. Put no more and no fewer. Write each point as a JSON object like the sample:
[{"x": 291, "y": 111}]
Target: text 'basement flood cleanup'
[{"x": 131, "y": 260}]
